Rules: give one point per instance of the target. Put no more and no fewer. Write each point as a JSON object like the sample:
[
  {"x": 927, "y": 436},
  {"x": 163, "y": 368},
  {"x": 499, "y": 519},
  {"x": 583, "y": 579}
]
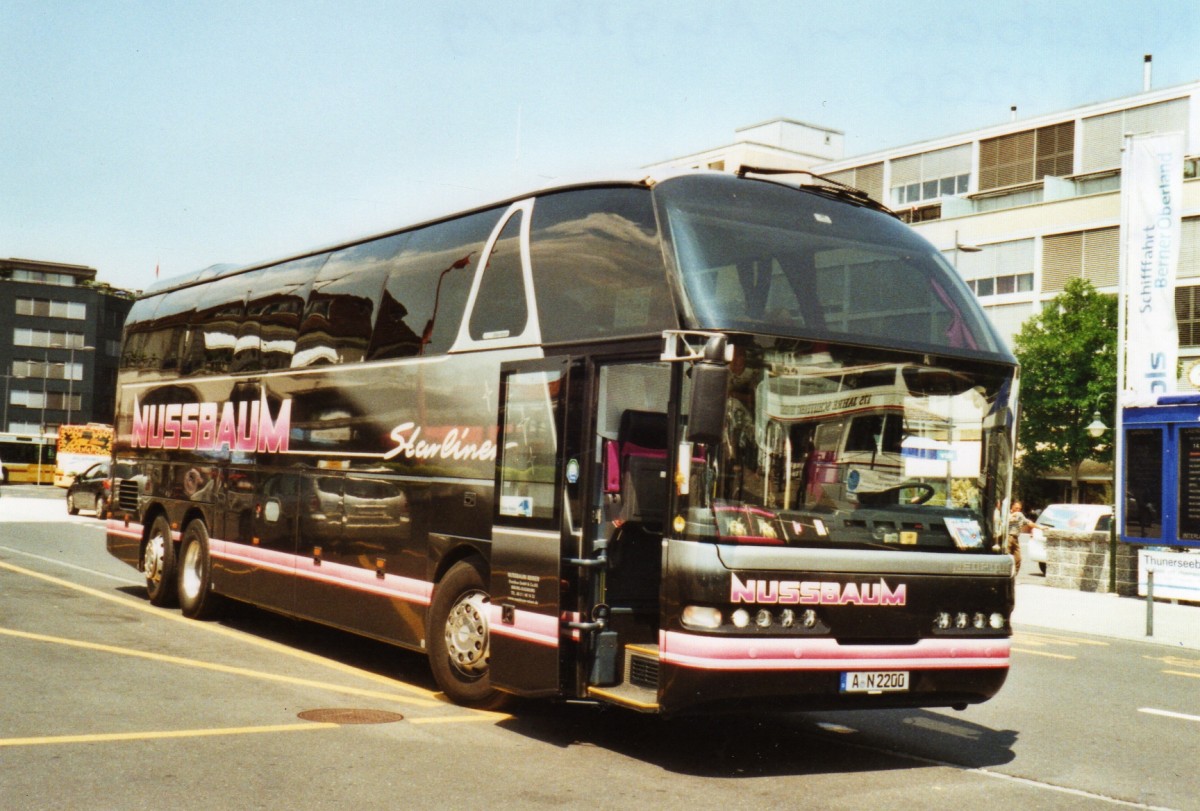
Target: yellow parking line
[
  {"x": 475, "y": 717},
  {"x": 1051, "y": 639},
  {"x": 1043, "y": 653},
  {"x": 218, "y": 668},
  {"x": 220, "y": 629},
  {"x": 1181, "y": 673},
  {"x": 157, "y": 736}
]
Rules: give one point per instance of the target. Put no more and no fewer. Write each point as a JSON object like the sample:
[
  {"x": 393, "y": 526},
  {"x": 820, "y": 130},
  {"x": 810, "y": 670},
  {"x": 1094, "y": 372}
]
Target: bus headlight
[
  {"x": 763, "y": 618},
  {"x": 741, "y": 618},
  {"x": 701, "y": 616}
]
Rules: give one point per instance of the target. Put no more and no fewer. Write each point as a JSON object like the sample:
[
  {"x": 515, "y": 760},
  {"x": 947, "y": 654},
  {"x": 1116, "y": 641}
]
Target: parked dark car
[{"x": 90, "y": 490}]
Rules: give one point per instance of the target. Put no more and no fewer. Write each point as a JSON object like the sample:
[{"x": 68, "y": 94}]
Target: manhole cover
[{"x": 351, "y": 716}]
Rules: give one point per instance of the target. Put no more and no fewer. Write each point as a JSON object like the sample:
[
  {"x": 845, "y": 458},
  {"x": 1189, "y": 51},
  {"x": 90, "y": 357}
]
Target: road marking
[
  {"x": 1051, "y": 639},
  {"x": 218, "y": 668},
  {"x": 475, "y": 717},
  {"x": 131, "y": 602},
  {"x": 1025, "y": 781},
  {"x": 129, "y": 581},
  {"x": 1175, "y": 661},
  {"x": 1168, "y": 714},
  {"x": 1182, "y": 673},
  {"x": 110, "y": 737},
  {"x": 1044, "y": 653}
]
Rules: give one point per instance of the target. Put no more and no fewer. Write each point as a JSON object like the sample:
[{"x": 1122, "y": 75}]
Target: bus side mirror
[{"x": 710, "y": 389}]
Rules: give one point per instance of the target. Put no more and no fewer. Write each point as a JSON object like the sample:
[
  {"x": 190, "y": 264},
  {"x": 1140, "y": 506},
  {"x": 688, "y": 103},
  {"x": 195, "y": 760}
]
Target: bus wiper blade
[{"x": 828, "y": 187}]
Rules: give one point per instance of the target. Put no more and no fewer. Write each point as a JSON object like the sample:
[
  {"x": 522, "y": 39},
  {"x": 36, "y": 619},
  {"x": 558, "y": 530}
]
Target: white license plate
[{"x": 875, "y": 681}]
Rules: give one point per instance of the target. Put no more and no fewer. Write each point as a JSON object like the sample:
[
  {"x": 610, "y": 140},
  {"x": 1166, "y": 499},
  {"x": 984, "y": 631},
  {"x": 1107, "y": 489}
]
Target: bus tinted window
[
  {"x": 167, "y": 339},
  {"x": 500, "y": 307},
  {"x": 427, "y": 287},
  {"x": 268, "y": 336},
  {"x": 597, "y": 265},
  {"x": 341, "y": 307},
  {"x": 216, "y": 323},
  {"x": 139, "y": 326},
  {"x": 765, "y": 257}
]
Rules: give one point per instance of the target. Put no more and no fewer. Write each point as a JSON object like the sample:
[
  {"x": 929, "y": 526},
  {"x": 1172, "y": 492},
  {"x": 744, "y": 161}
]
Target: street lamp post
[
  {"x": 71, "y": 377},
  {"x": 7, "y": 394},
  {"x": 1096, "y": 429}
]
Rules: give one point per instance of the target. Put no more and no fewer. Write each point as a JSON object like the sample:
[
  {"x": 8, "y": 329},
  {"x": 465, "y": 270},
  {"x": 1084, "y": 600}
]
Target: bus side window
[
  {"x": 341, "y": 307},
  {"x": 500, "y": 309},
  {"x": 597, "y": 265},
  {"x": 268, "y": 336},
  {"x": 427, "y": 288}
]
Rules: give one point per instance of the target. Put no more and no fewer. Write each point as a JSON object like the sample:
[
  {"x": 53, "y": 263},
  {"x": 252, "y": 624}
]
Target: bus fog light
[
  {"x": 700, "y": 616},
  {"x": 809, "y": 618},
  {"x": 763, "y": 618},
  {"x": 979, "y": 621},
  {"x": 741, "y": 618},
  {"x": 962, "y": 620},
  {"x": 997, "y": 621},
  {"x": 942, "y": 621},
  {"x": 787, "y": 618}
]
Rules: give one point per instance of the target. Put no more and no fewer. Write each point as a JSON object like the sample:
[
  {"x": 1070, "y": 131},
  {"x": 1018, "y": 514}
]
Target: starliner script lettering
[
  {"x": 457, "y": 444},
  {"x": 244, "y": 425},
  {"x": 816, "y": 592}
]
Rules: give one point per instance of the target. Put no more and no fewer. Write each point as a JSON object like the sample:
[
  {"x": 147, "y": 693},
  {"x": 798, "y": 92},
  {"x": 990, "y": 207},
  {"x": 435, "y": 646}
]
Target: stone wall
[{"x": 1080, "y": 561}]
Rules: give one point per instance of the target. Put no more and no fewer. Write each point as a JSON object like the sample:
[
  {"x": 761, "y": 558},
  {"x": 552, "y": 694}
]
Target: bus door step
[{"x": 640, "y": 687}]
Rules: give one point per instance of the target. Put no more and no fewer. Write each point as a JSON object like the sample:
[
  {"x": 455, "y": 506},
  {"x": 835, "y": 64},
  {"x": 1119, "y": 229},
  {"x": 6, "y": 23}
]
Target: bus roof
[{"x": 644, "y": 179}]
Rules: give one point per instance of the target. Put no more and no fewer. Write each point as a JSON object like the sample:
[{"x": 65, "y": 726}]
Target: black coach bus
[{"x": 680, "y": 444}]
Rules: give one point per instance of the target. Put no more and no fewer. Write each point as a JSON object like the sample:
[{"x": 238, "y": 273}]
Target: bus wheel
[
  {"x": 196, "y": 597},
  {"x": 158, "y": 563},
  {"x": 458, "y": 637}
]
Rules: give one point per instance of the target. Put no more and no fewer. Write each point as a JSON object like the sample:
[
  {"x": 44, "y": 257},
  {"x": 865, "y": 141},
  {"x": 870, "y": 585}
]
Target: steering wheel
[{"x": 925, "y": 492}]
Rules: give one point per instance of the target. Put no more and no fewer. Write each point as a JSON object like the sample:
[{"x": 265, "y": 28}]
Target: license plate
[{"x": 875, "y": 681}]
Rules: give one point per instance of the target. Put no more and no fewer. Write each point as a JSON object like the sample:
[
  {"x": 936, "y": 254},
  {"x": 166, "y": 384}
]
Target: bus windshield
[
  {"x": 835, "y": 446},
  {"x": 768, "y": 258}
]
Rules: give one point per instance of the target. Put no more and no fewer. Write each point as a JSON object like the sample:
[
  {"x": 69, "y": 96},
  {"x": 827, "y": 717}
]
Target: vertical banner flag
[{"x": 1151, "y": 198}]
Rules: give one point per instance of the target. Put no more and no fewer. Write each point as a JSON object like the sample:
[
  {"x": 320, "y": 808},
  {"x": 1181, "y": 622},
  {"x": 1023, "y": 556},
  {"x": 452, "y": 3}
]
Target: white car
[{"x": 1073, "y": 517}]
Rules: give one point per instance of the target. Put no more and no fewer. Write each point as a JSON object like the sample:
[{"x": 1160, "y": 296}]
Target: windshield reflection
[{"x": 822, "y": 449}]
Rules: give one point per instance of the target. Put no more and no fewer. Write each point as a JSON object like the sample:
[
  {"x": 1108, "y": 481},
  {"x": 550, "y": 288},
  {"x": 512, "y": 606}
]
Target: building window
[
  {"x": 920, "y": 214},
  {"x": 55, "y": 400},
  {"x": 47, "y": 339},
  {"x": 867, "y": 178},
  {"x": 1104, "y": 135},
  {"x": 1187, "y": 315},
  {"x": 1092, "y": 255},
  {"x": 52, "y": 308},
  {"x": 931, "y": 175},
  {"x": 60, "y": 279},
  {"x": 1027, "y": 156}
]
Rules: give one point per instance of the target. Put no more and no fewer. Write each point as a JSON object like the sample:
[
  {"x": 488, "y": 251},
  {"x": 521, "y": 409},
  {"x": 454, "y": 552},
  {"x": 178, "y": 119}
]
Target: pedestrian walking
[{"x": 1017, "y": 523}]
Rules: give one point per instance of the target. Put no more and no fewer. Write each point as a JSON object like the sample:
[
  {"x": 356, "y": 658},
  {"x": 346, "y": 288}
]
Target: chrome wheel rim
[
  {"x": 467, "y": 634},
  {"x": 190, "y": 572},
  {"x": 152, "y": 558}
]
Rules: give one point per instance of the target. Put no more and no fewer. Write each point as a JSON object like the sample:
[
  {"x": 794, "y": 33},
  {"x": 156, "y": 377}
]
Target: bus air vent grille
[{"x": 643, "y": 671}]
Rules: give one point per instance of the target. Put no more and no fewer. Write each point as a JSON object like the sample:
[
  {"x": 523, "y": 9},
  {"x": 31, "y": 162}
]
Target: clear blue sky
[{"x": 136, "y": 134}]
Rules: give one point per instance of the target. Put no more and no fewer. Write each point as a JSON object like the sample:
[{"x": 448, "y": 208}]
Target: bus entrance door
[{"x": 537, "y": 485}]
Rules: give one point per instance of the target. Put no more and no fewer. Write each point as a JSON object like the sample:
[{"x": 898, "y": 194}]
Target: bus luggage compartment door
[{"x": 527, "y": 538}]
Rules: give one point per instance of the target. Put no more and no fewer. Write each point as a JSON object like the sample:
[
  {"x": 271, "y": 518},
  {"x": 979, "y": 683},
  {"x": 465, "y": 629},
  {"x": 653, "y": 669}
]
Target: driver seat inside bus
[{"x": 635, "y": 549}]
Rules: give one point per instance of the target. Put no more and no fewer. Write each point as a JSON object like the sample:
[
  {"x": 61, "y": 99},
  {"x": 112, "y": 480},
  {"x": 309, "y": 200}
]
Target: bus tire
[
  {"x": 459, "y": 638},
  {"x": 196, "y": 597},
  {"x": 158, "y": 563}
]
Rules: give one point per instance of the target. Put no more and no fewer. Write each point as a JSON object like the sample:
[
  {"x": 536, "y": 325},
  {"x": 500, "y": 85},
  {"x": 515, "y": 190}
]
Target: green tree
[{"x": 1068, "y": 356}]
